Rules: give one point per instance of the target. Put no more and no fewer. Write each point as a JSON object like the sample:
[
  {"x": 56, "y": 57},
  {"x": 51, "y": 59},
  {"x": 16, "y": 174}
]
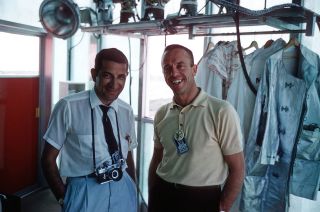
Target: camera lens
[{"x": 115, "y": 174}]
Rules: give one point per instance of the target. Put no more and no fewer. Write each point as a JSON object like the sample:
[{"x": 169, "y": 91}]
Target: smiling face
[
  {"x": 179, "y": 72},
  {"x": 109, "y": 80}
]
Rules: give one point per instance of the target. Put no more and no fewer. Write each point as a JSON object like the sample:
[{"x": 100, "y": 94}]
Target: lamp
[
  {"x": 190, "y": 7},
  {"x": 104, "y": 11},
  {"x": 60, "y": 17},
  {"x": 88, "y": 17},
  {"x": 127, "y": 10},
  {"x": 154, "y": 9}
]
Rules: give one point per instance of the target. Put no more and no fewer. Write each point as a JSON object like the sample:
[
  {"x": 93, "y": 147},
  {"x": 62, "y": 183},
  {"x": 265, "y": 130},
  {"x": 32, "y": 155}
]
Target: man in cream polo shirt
[{"x": 197, "y": 144}]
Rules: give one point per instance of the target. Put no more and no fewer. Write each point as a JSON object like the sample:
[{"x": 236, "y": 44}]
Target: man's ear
[
  {"x": 93, "y": 74},
  {"x": 194, "y": 69}
]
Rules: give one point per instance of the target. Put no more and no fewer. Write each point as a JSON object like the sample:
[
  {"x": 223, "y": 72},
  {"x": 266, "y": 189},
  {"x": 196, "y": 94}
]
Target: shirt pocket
[
  {"x": 86, "y": 150},
  {"x": 305, "y": 183},
  {"x": 308, "y": 147}
]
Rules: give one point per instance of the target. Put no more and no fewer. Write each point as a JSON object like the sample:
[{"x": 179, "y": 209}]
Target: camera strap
[
  {"x": 93, "y": 146},
  {"x": 93, "y": 141}
]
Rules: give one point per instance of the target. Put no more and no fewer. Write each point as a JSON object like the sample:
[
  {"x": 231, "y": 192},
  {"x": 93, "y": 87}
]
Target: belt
[
  {"x": 92, "y": 175},
  {"x": 187, "y": 187},
  {"x": 89, "y": 175}
]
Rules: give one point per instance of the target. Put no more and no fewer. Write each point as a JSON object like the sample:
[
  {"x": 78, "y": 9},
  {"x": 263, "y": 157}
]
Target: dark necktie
[{"x": 108, "y": 132}]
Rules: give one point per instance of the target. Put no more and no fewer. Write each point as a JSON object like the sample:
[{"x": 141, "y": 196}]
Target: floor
[
  {"x": 40, "y": 201},
  {"x": 43, "y": 201}
]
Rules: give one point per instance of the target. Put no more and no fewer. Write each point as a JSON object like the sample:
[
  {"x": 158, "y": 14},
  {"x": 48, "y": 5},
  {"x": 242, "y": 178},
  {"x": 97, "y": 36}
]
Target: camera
[{"x": 106, "y": 173}]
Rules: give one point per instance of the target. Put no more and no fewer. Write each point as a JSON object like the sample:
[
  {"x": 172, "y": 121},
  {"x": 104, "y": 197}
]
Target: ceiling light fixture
[{"x": 60, "y": 17}]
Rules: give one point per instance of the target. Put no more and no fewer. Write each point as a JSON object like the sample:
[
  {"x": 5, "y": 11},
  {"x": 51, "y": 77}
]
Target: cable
[
  {"x": 249, "y": 12},
  {"x": 141, "y": 195},
  {"x": 165, "y": 40},
  {"x": 142, "y": 64},
  {"x": 130, "y": 71},
  {"x": 109, "y": 199},
  {"x": 203, "y": 7},
  {"x": 265, "y": 4},
  {"x": 244, "y": 69},
  {"x": 78, "y": 42},
  {"x": 69, "y": 55}
]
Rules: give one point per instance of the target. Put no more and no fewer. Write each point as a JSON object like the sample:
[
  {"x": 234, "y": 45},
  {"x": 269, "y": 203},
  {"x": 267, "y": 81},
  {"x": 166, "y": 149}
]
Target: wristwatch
[{"x": 60, "y": 201}]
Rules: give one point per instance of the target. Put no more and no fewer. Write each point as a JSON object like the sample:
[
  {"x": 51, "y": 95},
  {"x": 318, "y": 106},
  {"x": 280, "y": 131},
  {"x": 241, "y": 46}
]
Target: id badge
[{"x": 180, "y": 141}]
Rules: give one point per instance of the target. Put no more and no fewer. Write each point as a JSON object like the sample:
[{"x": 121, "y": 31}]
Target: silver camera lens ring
[{"x": 114, "y": 174}]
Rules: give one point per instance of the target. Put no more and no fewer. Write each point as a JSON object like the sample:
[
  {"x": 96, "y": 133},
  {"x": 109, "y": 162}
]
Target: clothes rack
[{"x": 287, "y": 20}]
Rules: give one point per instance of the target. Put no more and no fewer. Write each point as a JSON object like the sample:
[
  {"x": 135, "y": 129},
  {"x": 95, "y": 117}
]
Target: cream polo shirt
[
  {"x": 70, "y": 131},
  {"x": 211, "y": 128}
]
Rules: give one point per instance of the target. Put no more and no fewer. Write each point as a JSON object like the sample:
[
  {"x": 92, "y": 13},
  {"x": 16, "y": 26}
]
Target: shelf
[{"x": 289, "y": 19}]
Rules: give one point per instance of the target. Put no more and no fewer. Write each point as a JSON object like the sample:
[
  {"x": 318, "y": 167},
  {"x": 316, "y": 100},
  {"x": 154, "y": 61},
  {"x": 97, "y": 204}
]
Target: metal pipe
[{"x": 250, "y": 33}]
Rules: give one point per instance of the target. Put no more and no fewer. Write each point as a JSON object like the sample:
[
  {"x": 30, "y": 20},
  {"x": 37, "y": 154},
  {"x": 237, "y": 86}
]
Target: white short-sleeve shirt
[{"x": 70, "y": 131}]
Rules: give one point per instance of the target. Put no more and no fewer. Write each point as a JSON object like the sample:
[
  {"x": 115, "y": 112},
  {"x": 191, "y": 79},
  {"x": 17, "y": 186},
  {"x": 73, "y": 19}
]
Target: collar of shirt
[
  {"x": 95, "y": 101},
  {"x": 200, "y": 100},
  {"x": 308, "y": 65}
]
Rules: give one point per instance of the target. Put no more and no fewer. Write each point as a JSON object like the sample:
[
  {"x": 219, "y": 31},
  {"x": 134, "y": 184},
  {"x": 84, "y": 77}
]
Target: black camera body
[{"x": 106, "y": 173}]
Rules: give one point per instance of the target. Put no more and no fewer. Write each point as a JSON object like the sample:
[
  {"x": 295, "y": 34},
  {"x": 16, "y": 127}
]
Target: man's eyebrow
[{"x": 105, "y": 72}]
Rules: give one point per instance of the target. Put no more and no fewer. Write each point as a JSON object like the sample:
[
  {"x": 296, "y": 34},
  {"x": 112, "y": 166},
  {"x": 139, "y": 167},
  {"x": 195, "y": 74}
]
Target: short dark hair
[
  {"x": 177, "y": 46},
  {"x": 111, "y": 54}
]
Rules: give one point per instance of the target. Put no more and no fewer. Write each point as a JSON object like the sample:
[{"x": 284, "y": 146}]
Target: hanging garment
[
  {"x": 239, "y": 93},
  {"x": 288, "y": 98},
  {"x": 258, "y": 62},
  {"x": 216, "y": 69},
  {"x": 241, "y": 96},
  {"x": 206, "y": 78},
  {"x": 307, "y": 149}
]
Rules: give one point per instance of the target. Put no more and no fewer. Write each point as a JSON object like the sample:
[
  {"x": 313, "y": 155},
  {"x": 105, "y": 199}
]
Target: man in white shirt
[{"x": 99, "y": 170}]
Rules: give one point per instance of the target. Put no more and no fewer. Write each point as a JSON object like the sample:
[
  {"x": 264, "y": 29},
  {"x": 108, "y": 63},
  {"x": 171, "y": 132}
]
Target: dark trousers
[{"x": 171, "y": 197}]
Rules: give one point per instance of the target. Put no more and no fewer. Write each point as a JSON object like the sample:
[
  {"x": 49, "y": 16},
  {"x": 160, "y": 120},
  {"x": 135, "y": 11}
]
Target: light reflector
[{"x": 61, "y": 18}]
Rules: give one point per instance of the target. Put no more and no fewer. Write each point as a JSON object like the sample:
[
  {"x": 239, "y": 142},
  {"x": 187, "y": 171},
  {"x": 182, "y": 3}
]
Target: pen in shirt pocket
[{"x": 128, "y": 138}]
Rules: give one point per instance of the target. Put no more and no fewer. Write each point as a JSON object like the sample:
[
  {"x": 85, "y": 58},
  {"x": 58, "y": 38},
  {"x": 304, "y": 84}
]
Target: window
[
  {"x": 157, "y": 92},
  {"x": 131, "y": 48},
  {"x": 19, "y": 55}
]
